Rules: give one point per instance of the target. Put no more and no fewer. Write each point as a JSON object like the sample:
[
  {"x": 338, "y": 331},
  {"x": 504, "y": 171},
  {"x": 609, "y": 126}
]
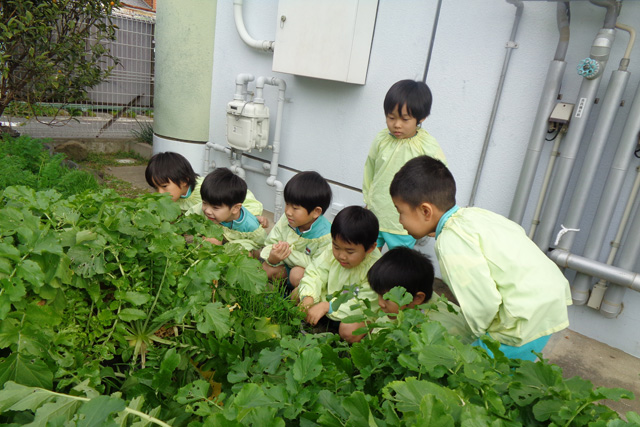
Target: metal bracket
[{"x": 512, "y": 45}]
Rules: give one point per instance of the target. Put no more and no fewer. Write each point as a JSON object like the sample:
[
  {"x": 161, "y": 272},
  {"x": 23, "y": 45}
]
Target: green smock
[
  {"x": 304, "y": 246},
  {"x": 505, "y": 284},
  {"x": 386, "y": 156},
  {"x": 245, "y": 231},
  {"x": 326, "y": 276}
]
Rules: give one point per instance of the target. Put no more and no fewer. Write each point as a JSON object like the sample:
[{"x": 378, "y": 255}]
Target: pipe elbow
[
  {"x": 244, "y": 77},
  {"x": 560, "y": 257}
]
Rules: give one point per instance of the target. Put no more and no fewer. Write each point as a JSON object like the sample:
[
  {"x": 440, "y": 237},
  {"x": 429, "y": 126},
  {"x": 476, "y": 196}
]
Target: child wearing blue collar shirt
[
  {"x": 222, "y": 195},
  {"x": 302, "y": 232},
  {"x": 507, "y": 288},
  {"x": 170, "y": 172},
  {"x": 406, "y": 105},
  {"x": 354, "y": 232}
]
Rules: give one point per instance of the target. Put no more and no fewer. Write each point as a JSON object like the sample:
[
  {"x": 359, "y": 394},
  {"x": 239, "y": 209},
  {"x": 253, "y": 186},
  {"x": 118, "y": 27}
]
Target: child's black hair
[
  {"x": 309, "y": 190},
  {"x": 415, "y": 95},
  {"x": 404, "y": 267},
  {"x": 170, "y": 166},
  {"x": 425, "y": 179},
  {"x": 223, "y": 187},
  {"x": 356, "y": 225}
]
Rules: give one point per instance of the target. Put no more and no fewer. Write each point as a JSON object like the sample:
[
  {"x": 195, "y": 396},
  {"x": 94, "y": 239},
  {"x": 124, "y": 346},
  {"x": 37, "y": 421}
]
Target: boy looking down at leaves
[
  {"x": 507, "y": 287},
  {"x": 222, "y": 195},
  {"x": 302, "y": 232},
  {"x": 402, "y": 269},
  {"x": 345, "y": 264}
]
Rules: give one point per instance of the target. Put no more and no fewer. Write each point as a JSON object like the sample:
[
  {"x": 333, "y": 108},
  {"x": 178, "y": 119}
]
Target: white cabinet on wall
[{"x": 325, "y": 39}]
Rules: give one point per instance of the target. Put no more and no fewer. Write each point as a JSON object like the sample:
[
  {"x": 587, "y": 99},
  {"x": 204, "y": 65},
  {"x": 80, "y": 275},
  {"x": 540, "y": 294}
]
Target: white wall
[{"x": 328, "y": 126}]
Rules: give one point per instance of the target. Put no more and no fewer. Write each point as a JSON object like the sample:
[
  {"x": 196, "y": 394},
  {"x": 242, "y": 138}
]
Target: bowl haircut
[
  {"x": 404, "y": 267},
  {"x": 223, "y": 187},
  {"x": 170, "y": 166},
  {"x": 424, "y": 179},
  {"x": 309, "y": 190},
  {"x": 415, "y": 95},
  {"x": 356, "y": 225}
]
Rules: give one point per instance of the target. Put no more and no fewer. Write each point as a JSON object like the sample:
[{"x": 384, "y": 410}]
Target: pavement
[{"x": 576, "y": 354}]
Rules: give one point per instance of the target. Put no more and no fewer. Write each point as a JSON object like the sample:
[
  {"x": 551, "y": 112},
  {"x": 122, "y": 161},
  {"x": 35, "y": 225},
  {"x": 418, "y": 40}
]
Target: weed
[{"x": 145, "y": 133}]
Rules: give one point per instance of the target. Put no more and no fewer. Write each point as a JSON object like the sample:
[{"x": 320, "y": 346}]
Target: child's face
[
  {"x": 349, "y": 255},
  {"x": 391, "y": 308},
  {"x": 299, "y": 217},
  {"x": 401, "y": 124},
  {"x": 176, "y": 190},
  {"x": 414, "y": 220},
  {"x": 221, "y": 213}
]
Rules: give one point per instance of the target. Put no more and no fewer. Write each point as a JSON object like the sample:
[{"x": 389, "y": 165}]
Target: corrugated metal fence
[{"x": 118, "y": 107}]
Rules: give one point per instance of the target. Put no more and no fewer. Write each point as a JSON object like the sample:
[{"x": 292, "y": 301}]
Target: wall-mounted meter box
[
  {"x": 328, "y": 39},
  {"x": 247, "y": 125}
]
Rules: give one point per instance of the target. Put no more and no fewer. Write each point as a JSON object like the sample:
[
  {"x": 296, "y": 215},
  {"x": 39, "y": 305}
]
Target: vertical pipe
[
  {"x": 505, "y": 65},
  {"x": 610, "y": 194},
  {"x": 540, "y": 123},
  {"x": 588, "y": 89},
  {"x": 581, "y": 193}
]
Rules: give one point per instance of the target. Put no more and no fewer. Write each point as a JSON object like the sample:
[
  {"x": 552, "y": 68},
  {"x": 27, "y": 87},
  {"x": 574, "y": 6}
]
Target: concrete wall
[{"x": 328, "y": 126}]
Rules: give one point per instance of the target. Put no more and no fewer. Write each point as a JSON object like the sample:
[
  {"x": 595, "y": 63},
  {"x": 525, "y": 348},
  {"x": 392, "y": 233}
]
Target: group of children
[{"x": 505, "y": 286}]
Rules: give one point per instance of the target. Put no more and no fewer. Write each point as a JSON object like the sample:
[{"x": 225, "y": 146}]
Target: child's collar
[
  {"x": 188, "y": 193},
  {"x": 444, "y": 218}
]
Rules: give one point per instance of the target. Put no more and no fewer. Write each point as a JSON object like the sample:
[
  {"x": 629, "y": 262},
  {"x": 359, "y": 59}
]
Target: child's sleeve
[
  {"x": 464, "y": 267},
  {"x": 315, "y": 279},
  {"x": 369, "y": 170},
  {"x": 252, "y": 204},
  {"x": 274, "y": 236},
  {"x": 317, "y": 246}
]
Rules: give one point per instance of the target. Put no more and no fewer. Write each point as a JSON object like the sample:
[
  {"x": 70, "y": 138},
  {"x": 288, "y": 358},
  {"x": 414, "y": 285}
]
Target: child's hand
[
  {"x": 212, "y": 240},
  {"x": 279, "y": 252},
  {"x": 264, "y": 222},
  {"x": 316, "y": 312}
]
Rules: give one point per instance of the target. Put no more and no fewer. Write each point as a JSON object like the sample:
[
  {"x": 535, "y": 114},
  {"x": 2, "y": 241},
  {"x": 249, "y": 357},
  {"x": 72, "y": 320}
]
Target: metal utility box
[
  {"x": 328, "y": 39},
  {"x": 247, "y": 125}
]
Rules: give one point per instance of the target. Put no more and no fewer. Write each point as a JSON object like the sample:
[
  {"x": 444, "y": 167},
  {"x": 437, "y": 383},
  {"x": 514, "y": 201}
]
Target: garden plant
[{"x": 109, "y": 317}]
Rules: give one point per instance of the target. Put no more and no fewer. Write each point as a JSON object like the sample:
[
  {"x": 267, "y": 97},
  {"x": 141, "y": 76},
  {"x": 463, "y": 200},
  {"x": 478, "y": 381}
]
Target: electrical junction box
[
  {"x": 561, "y": 113},
  {"x": 328, "y": 39},
  {"x": 247, "y": 125}
]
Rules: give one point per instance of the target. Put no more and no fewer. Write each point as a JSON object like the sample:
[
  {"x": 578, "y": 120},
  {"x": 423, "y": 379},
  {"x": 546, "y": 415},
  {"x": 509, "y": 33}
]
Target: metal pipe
[
  {"x": 597, "y": 294},
  {"x": 540, "y": 124},
  {"x": 273, "y": 171},
  {"x": 582, "y": 192},
  {"x": 264, "y": 45},
  {"x": 612, "y": 302},
  {"x": 545, "y": 182},
  {"x": 511, "y": 44},
  {"x": 610, "y": 195},
  {"x": 613, "y": 10},
  {"x": 619, "y": 276},
  {"x": 588, "y": 89}
]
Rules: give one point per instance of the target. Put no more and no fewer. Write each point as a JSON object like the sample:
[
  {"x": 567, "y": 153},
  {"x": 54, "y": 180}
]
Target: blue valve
[{"x": 588, "y": 68}]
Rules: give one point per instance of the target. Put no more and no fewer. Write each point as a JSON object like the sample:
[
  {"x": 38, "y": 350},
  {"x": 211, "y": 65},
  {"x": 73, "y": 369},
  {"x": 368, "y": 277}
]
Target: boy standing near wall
[{"x": 507, "y": 288}]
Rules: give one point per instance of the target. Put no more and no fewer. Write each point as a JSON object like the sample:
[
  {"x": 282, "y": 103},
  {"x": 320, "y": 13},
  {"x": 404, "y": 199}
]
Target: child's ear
[
  {"x": 421, "y": 121},
  {"x": 426, "y": 209},
  {"x": 235, "y": 209},
  {"x": 371, "y": 248},
  {"x": 316, "y": 212},
  {"x": 418, "y": 298}
]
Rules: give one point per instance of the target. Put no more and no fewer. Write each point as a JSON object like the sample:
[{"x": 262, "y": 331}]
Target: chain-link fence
[{"x": 117, "y": 108}]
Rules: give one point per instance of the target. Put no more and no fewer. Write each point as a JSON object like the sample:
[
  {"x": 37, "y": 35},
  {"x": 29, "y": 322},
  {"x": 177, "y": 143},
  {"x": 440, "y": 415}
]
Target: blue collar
[
  {"x": 188, "y": 194},
  {"x": 229, "y": 224},
  {"x": 444, "y": 218}
]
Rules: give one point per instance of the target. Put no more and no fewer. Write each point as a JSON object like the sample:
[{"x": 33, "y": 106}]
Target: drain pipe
[
  {"x": 591, "y": 69},
  {"x": 264, "y": 45},
  {"x": 617, "y": 275},
  {"x": 511, "y": 44},
  {"x": 545, "y": 182},
  {"x": 582, "y": 192},
  {"x": 273, "y": 171},
  {"x": 540, "y": 124},
  {"x": 610, "y": 195},
  {"x": 613, "y": 302}
]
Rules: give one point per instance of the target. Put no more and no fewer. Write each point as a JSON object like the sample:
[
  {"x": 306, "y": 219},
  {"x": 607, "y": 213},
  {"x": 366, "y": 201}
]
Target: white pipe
[
  {"x": 264, "y": 45},
  {"x": 242, "y": 80},
  {"x": 545, "y": 183}
]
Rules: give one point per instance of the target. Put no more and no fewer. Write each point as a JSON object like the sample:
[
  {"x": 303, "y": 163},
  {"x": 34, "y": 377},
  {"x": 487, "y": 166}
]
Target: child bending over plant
[
  {"x": 172, "y": 173},
  {"x": 403, "y": 269},
  {"x": 345, "y": 264},
  {"x": 223, "y": 194}
]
